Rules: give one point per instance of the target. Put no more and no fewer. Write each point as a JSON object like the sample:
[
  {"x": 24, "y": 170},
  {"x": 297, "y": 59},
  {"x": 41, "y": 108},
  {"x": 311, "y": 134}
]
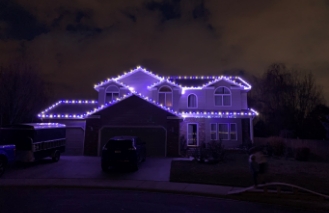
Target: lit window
[
  {"x": 192, "y": 134},
  {"x": 222, "y": 97},
  {"x": 233, "y": 133},
  {"x": 112, "y": 93},
  {"x": 192, "y": 101},
  {"x": 165, "y": 96},
  {"x": 223, "y": 131}
]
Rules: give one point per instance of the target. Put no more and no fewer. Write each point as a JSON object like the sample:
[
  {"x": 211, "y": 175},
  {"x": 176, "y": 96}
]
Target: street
[{"x": 86, "y": 200}]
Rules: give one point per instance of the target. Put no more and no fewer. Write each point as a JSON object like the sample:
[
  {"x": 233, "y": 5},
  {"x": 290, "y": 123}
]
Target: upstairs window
[
  {"x": 112, "y": 93},
  {"x": 222, "y": 97},
  {"x": 165, "y": 96},
  {"x": 192, "y": 101}
]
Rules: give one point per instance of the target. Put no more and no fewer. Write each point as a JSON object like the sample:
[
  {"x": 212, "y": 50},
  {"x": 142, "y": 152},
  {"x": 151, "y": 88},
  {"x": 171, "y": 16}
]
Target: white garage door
[{"x": 74, "y": 141}]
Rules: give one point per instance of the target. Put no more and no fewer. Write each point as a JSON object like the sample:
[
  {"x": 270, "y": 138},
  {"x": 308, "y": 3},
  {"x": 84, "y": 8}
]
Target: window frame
[
  {"x": 196, "y": 101},
  {"x": 236, "y": 132},
  {"x": 216, "y": 131},
  {"x": 112, "y": 92},
  {"x": 229, "y": 131},
  {"x": 222, "y": 97},
  {"x": 197, "y": 135},
  {"x": 165, "y": 95}
]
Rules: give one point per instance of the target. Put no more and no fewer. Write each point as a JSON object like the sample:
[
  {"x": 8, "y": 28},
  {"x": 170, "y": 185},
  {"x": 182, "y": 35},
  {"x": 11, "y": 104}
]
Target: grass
[{"x": 235, "y": 171}]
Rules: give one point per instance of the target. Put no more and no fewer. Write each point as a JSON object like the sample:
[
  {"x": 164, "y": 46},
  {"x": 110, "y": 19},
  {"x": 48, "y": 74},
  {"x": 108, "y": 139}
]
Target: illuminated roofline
[
  {"x": 97, "y": 109},
  {"x": 215, "y": 79},
  {"x": 125, "y": 74}
]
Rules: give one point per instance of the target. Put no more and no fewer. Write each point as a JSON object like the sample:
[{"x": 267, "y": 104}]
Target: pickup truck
[{"x": 7, "y": 156}]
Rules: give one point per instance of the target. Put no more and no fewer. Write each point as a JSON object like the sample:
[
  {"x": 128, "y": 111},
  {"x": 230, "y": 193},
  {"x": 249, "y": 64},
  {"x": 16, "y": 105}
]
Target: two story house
[{"x": 164, "y": 111}]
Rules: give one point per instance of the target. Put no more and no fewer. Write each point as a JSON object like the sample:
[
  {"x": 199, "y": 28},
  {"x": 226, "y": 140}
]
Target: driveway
[{"x": 70, "y": 167}]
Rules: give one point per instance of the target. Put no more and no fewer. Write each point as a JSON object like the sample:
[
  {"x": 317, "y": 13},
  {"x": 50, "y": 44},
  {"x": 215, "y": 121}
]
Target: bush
[
  {"x": 277, "y": 145},
  {"x": 302, "y": 154},
  {"x": 183, "y": 146},
  {"x": 212, "y": 152}
]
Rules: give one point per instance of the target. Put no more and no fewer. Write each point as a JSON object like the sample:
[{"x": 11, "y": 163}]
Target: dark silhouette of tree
[
  {"x": 23, "y": 93},
  {"x": 285, "y": 99}
]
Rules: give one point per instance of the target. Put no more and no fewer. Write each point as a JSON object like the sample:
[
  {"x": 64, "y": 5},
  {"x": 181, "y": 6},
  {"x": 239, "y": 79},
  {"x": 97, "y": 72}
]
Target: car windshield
[{"x": 119, "y": 144}]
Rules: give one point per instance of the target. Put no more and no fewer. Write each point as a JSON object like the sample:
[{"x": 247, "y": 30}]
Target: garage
[
  {"x": 153, "y": 136},
  {"x": 74, "y": 141}
]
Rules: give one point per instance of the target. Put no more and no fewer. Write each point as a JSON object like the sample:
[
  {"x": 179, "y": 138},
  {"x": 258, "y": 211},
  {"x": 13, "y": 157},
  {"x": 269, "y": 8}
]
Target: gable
[
  {"x": 139, "y": 80},
  {"x": 133, "y": 110},
  {"x": 230, "y": 82}
]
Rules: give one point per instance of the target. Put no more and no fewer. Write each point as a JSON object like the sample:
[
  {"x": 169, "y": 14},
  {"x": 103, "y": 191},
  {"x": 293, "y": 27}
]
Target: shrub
[
  {"x": 183, "y": 146},
  {"x": 212, "y": 152},
  {"x": 302, "y": 154},
  {"x": 277, "y": 145}
]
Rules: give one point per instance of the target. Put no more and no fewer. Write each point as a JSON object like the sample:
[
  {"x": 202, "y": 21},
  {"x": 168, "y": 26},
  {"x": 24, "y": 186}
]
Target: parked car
[
  {"x": 123, "y": 151},
  {"x": 7, "y": 156}
]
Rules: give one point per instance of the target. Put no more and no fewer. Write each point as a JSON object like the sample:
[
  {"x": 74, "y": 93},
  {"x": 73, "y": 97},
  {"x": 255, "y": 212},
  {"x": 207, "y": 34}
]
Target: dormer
[
  {"x": 166, "y": 93},
  {"x": 110, "y": 91}
]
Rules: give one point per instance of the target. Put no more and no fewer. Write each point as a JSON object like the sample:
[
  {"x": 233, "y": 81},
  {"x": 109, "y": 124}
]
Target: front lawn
[{"x": 235, "y": 172}]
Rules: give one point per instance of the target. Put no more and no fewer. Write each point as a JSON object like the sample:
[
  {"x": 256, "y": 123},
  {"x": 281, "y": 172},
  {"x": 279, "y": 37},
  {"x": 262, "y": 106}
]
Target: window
[
  {"x": 165, "y": 96},
  {"x": 192, "y": 134},
  {"x": 222, "y": 96},
  {"x": 223, "y": 131},
  {"x": 192, "y": 101},
  {"x": 112, "y": 93},
  {"x": 213, "y": 132},
  {"x": 233, "y": 132}
]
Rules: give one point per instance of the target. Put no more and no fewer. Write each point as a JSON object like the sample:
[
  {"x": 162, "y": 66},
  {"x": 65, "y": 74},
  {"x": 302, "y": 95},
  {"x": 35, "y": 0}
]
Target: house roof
[
  {"x": 69, "y": 109},
  {"x": 218, "y": 113},
  {"x": 184, "y": 82},
  {"x": 79, "y": 109},
  {"x": 35, "y": 126},
  {"x": 74, "y": 109}
]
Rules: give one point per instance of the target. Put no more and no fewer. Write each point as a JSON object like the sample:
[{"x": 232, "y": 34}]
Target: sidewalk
[{"x": 160, "y": 186}]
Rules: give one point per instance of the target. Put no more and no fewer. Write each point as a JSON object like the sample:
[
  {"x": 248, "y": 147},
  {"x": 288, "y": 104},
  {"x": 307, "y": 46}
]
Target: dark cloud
[
  {"x": 200, "y": 11},
  {"x": 130, "y": 15},
  {"x": 20, "y": 23},
  {"x": 98, "y": 39},
  {"x": 169, "y": 9}
]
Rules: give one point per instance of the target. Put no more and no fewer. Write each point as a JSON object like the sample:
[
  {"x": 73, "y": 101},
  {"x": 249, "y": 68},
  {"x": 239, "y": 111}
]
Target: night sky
[{"x": 78, "y": 43}]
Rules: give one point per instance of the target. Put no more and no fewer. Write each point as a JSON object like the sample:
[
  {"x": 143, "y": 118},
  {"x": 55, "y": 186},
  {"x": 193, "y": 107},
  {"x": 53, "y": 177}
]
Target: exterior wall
[
  {"x": 206, "y": 100},
  {"x": 101, "y": 96},
  {"x": 204, "y": 130},
  {"x": 132, "y": 111},
  {"x": 244, "y": 100}
]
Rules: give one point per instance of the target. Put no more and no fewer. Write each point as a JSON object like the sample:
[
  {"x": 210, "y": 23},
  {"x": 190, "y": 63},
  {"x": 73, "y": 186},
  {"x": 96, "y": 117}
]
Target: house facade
[{"x": 166, "y": 112}]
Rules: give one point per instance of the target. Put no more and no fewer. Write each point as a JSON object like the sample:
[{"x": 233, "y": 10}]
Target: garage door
[
  {"x": 155, "y": 137},
  {"x": 74, "y": 141}
]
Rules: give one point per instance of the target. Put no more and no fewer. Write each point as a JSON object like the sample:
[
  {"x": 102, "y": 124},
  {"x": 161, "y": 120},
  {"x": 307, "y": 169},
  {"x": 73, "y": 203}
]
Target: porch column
[{"x": 251, "y": 130}]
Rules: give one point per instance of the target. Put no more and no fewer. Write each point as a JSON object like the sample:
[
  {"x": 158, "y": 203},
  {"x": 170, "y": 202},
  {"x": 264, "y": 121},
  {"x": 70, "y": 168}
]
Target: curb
[{"x": 154, "y": 186}]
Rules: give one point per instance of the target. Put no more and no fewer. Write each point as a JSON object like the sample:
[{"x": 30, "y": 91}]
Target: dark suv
[{"x": 123, "y": 151}]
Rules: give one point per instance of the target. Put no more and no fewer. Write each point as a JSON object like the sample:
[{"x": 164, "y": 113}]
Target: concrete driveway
[{"x": 70, "y": 167}]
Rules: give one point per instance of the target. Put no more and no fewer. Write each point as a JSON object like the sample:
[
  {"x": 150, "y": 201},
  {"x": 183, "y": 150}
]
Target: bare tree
[
  {"x": 285, "y": 98},
  {"x": 23, "y": 93}
]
